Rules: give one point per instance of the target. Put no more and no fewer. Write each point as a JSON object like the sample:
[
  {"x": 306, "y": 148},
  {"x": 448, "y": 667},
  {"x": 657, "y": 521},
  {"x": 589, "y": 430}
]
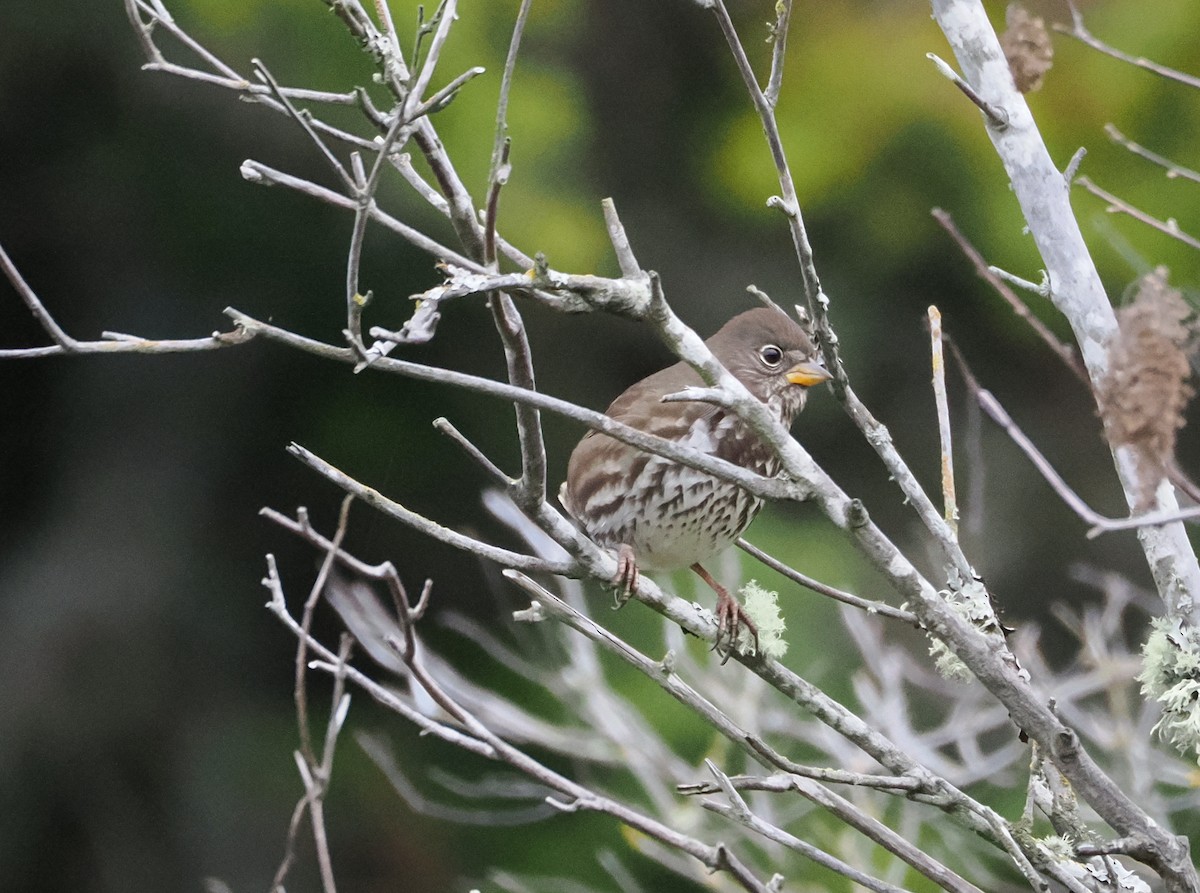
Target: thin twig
[
  {"x": 1099, "y": 523},
  {"x": 40, "y": 313},
  {"x": 995, "y": 116},
  {"x": 112, "y": 343},
  {"x": 871, "y": 607},
  {"x": 856, "y": 818},
  {"x": 447, "y": 14},
  {"x": 310, "y": 604},
  {"x": 1080, "y": 32},
  {"x": 364, "y": 194},
  {"x": 518, "y": 357},
  {"x": 443, "y": 425},
  {"x": 787, "y": 202},
  {"x": 1119, "y": 206},
  {"x": 782, "y": 783},
  {"x": 768, "y": 488},
  {"x": 256, "y": 172},
  {"x": 1073, "y": 165},
  {"x": 813, "y": 853},
  {"x": 630, "y": 268},
  {"x": 949, "y": 502},
  {"x": 1062, "y": 350},
  {"x": 316, "y": 808},
  {"x": 818, "y": 304},
  {"x": 378, "y": 501},
  {"x": 779, "y": 35},
  {"x": 305, "y": 121},
  {"x": 1173, "y": 169}
]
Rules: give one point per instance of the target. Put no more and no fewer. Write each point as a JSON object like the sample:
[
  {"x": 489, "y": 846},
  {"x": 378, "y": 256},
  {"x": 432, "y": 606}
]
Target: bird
[{"x": 659, "y": 515}]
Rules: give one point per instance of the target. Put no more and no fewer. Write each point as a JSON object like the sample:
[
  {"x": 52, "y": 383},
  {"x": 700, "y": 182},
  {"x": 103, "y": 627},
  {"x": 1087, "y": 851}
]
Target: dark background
[{"x": 146, "y": 720}]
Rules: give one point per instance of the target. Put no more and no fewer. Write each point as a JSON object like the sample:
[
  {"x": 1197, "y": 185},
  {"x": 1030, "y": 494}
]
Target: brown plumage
[{"x": 661, "y": 516}]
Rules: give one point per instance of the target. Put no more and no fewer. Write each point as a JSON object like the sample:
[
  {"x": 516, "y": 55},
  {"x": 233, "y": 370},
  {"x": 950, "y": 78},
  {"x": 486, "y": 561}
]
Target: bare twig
[
  {"x": 857, "y": 819},
  {"x": 61, "y": 338},
  {"x": 1119, "y": 206},
  {"x": 949, "y": 502},
  {"x": 310, "y": 604},
  {"x": 494, "y": 471},
  {"x": 740, "y": 813},
  {"x": 305, "y": 122},
  {"x": 112, "y": 343},
  {"x": 996, "y": 117},
  {"x": 314, "y": 775},
  {"x": 818, "y": 303},
  {"x": 364, "y": 193},
  {"x": 1064, "y": 351},
  {"x": 770, "y": 488},
  {"x": 1099, "y": 523},
  {"x": 787, "y": 201},
  {"x": 782, "y": 783},
  {"x": 630, "y": 268},
  {"x": 1173, "y": 169},
  {"x": 410, "y": 518},
  {"x": 871, "y": 607},
  {"x": 1073, "y": 165},
  {"x": 1080, "y": 32},
  {"x": 256, "y": 172},
  {"x": 779, "y": 35},
  {"x": 531, "y": 489}
]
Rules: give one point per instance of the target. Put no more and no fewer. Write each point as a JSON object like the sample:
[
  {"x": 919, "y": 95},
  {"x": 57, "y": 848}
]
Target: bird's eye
[{"x": 771, "y": 355}]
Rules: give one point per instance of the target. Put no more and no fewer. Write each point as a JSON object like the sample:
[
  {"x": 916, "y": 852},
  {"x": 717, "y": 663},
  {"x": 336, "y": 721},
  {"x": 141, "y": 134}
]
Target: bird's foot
[
  {"x": 731, "y": 619},
  {"x": 626, "y": 579}
]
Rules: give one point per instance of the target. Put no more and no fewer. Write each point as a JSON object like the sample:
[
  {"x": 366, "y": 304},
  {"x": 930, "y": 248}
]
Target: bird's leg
[
  {"x": 730, "y": 617},
  {"x": 626, "y": 580}
]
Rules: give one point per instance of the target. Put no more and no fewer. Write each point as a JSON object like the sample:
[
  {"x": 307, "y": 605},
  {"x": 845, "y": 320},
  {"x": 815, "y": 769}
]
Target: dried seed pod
[
  {"x": 1143, "y": 397},
  {"x": 1027, "y": 47}
]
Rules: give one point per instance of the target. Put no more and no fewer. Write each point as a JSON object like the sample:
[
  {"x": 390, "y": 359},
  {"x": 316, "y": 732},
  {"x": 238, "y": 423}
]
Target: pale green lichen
[
  {"x": 970, "y": 601},
  {"x": 1171, "y": 675},
  {"x": 762, "y": 607},
  {"x": 1062, "y": 849}
]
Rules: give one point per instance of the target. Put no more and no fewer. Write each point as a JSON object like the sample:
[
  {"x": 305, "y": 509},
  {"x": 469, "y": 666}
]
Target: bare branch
[
  {"x": 993, "y": 278},
  {"x": 310, "y": 604},
  {"x": 1080, "y": 295},
  {"x": 787, "y": 202},
  {"x": 779, "y": 36},
  {"x": 1119, "y": 206},
  {"x": 1099, "y": 523},
  {"x": 1173, "y": 170},
  {"x": 803, "y": 847},
  {"x": 411, "y": 519},
  {"x": 861, "y": 822},
  {"x": 531, "y": 490},
  {"x": 996, "y": 117},
  {"x": 256, "y": 172},
  {"x": 949, "y": 502},
  {"x": 871, "y": 607},
  {"x": 770, "y": 488},
  {"x": 630, "y": 268},
  {"x": 1080, "y": 32},
  {"x": 305, "y": 122}
]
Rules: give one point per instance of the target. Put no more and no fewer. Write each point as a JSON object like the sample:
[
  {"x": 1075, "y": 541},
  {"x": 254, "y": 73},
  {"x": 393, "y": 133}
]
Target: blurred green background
[{"x": 146, "y": 721}]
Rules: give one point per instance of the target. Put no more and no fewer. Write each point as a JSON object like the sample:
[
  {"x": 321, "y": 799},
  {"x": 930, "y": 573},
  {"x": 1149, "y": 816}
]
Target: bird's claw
[
  {"x": 626, "y": 580},
  {"x": 731, "y": 617}
]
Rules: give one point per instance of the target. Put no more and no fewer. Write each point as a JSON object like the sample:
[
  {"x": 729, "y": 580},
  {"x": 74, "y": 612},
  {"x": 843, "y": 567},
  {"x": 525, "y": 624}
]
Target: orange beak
[{"x": 808, "y": 374}]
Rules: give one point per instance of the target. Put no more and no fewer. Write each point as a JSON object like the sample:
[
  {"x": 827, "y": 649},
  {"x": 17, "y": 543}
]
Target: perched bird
[{"x": 659, "y": 515}]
